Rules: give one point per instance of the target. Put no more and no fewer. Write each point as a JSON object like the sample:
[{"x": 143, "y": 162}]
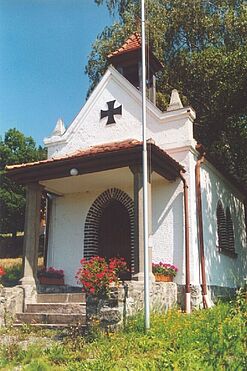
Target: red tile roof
[
  {"x": 94, "y": 151},
  {"x": 102, "y": 148},
  {"x": 131, "y": 44}
]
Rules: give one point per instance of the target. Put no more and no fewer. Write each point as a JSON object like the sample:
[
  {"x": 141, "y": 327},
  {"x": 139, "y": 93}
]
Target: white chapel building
[{"x": 93, "y": 179}]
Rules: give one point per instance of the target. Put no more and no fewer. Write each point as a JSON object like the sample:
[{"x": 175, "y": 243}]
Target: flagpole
[{"x": 145, "y": 174}]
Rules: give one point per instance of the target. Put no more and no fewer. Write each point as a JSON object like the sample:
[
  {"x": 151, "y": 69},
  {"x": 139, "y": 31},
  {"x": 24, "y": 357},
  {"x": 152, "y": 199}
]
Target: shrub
[
  {"x": 96, "y": 274},
  {"x": 12, "y": 275}
]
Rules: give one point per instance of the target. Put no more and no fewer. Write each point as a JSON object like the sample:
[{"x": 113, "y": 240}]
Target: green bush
[{"x": 12, "y": 276}]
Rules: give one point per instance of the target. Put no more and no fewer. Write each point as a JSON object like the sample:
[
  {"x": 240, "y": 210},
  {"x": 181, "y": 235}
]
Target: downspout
[
  {"x": 187, "y": 245},
  {"x": 206, "y": 302}
]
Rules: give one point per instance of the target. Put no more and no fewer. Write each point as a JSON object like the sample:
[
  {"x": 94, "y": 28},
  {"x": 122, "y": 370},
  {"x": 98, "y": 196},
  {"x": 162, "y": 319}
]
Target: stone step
[
  {"x": 49, "y": 325},
  {"x": 63, "y": 308},
  {"x": 47, "y": 289},
  {"x": 50, "y": 318},
  {"x": 61, "y": 298}
]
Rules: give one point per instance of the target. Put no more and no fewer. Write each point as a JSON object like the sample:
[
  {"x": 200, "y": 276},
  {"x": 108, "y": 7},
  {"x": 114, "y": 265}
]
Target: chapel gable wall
[{"x": 167, "y": 129}]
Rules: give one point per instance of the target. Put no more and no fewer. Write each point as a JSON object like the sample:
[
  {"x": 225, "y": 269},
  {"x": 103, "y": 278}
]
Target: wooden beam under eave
[{"x": 164, "y": 169}]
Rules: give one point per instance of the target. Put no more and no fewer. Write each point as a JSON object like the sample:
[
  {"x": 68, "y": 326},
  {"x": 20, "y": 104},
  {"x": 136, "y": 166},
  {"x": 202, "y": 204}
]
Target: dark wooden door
[{"x": 114, "y": 233}]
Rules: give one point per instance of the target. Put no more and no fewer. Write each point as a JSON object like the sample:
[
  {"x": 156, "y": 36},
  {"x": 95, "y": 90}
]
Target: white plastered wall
[
  {"x": 185, "y": 156},
  {"x": 66, "y": 236},
  {"x": 70, "y": 211},
  {"x": 168, "y": 129},
  {"x": 222, "y": 270},
  {"x": 172, "y": 131},
  {"x": 168, "y": 235},
  {"x": 87, "y": 129}
]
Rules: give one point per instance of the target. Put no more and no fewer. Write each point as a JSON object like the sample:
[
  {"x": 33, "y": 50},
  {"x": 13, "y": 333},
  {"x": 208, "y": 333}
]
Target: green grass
[{"x": 213, "y": 339}]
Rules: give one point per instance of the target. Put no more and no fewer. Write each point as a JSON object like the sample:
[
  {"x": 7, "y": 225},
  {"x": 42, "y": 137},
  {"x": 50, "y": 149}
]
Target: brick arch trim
[{"x": 91, "y": 229}]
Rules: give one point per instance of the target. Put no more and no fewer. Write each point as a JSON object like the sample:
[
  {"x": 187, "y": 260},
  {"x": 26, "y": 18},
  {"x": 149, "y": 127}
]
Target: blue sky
[{"x": 44, "y": 46}]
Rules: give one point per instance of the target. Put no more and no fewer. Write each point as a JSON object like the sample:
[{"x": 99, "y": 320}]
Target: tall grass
[{"x": 212, "y": 339}]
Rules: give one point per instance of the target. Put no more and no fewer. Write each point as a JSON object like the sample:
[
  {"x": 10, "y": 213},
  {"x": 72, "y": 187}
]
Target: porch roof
[{"x": 94, "y": 159}]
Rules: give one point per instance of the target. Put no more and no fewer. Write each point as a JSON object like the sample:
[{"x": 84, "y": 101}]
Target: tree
[
  {"x": 202, "y": 46},
  {"x": 15, "y": 149}
]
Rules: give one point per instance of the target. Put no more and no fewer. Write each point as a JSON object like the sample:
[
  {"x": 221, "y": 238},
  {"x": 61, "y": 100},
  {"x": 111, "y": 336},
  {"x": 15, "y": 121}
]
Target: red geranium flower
[{"x": 96, "y": 274}]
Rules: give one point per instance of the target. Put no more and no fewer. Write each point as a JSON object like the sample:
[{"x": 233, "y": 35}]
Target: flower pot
[
  {"x": 163, "y": 278},
  {"x": 43, "y": 280}
]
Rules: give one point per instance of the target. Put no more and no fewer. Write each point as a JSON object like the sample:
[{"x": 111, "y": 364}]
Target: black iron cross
[{"x": 111, "y": 112}]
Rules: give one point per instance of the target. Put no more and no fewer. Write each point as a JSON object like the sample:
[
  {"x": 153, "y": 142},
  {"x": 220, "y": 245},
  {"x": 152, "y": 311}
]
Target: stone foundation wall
[
  {"x": 218, "y": 292},
  {"x": 196, "y": 297},
  {"x": 163, "y": 295},
  {"x": 11, "y": 301},
  {"x": 215, "y": 293},
  {"x": 127, "y": 300}
]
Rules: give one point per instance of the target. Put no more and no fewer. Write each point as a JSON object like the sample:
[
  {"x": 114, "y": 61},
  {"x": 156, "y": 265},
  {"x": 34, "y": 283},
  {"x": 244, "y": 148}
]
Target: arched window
[
  {"x": 230, "y": 232},
  {"x": 221, "y": 227}
]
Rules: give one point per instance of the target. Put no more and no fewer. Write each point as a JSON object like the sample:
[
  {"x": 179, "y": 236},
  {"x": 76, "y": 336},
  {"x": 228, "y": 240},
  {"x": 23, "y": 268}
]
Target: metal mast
[{"x": 145, "y": 174}]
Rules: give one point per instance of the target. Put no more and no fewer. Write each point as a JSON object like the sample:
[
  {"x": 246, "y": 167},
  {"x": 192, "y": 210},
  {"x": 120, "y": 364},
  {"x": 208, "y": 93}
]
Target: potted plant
[
  {"x": 164, "y": 272},
  {"x": 51, "y": 276}
]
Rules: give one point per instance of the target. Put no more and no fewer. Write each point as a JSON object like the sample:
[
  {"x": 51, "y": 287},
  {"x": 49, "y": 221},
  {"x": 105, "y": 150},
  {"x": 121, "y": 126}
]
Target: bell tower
[{"x": 127, "y": 60}]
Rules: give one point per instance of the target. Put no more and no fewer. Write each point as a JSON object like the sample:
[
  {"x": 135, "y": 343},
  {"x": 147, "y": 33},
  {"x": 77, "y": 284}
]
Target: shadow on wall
[{"x": 222, "y": 270}]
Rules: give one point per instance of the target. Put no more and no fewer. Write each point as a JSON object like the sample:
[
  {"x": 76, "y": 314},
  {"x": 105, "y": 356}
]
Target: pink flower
[{"x": 164, "y": 268}]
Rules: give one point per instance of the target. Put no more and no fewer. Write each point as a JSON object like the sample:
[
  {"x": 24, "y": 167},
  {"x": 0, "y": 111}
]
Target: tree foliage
[
  {"x": 15, "y": 148},
  {"x": 202, "y": 45}
]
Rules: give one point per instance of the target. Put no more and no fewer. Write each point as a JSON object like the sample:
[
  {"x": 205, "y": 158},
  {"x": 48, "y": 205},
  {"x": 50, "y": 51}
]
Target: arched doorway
[
  {"x": 115, "y": 232},
  {"x": 109, "y": 227}
]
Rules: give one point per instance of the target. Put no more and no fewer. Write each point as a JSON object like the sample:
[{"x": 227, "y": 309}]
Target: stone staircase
[{"x": 55, "y": 310}]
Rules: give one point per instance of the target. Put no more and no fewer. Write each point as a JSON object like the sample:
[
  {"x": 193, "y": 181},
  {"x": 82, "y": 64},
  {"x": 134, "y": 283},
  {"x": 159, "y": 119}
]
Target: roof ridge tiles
[
  {"x": 132, "y": 43},
  {"x": 79, "y": 152}
]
